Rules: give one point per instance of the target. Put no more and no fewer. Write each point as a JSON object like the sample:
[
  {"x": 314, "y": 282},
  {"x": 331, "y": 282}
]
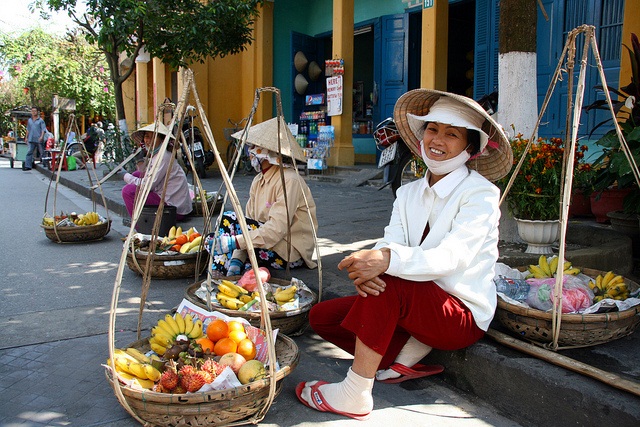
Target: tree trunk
[{"x": 517, "y": 66}]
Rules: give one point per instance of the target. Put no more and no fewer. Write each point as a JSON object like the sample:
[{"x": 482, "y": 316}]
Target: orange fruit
[
  {"x": 182, "y": 239},
  {"x": 234, "y": 325},
  {"x": 193, "y": 236},
  {"x": 217, "y": 330},
  {"x": 237, "y": 336},
  {"x": 247, "y": 349},
  {"x": 224, "y": 346},
  {"x": 206, "y": 344}
]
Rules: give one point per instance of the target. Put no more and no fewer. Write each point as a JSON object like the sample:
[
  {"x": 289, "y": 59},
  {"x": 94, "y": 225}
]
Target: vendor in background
[
  {"x": 428, "y": 283},
  {"x": 177, "y": 191},
  {"x": 91, "y": 140},
  {"x": 266, "y": 210},
  {"x": 36, "y": 129}
]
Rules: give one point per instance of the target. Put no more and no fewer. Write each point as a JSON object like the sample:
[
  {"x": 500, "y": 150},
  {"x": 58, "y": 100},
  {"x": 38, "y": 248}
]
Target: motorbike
[
  {"x": 399, "y": 163},
  {"x": 396, "y": 158},
  {"x": 202, "y": 158}
]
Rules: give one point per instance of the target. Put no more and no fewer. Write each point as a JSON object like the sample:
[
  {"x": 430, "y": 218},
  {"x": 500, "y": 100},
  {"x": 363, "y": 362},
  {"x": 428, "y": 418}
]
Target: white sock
[
  {"x": 353, "y": 394},
  {"x": 412, "y": 352}
]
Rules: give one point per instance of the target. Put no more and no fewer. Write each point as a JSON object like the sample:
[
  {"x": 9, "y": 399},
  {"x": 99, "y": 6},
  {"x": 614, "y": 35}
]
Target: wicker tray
[
  {"x": 169, "y": 266},
  {"x": 211, "y": 408},
  {"x": 292, "y": 322},
  {"x": 576, "y": 329},
  {"x": 69, "y": 234},
  {"x": 214, "y": 202}
]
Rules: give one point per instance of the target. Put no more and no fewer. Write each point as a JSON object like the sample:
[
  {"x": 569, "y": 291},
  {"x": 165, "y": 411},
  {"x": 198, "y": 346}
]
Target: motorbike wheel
[
  {"x": 405, "y": 173},
  {"x": 200, "y": 169}
]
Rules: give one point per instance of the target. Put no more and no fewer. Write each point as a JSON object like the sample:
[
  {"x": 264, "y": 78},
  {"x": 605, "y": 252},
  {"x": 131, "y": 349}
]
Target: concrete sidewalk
[{"x": 477, "y": 381}]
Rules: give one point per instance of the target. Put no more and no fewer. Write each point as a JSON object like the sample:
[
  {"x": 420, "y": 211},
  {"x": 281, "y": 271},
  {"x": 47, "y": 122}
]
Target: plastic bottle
[{"x": 516, "y": 289}]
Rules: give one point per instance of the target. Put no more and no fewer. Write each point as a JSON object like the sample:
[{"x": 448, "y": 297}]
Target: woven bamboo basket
[
  {"x": 212, "y": 408},
  {"x": 169, "y": 266},
  {"x": 214, "y": 202},
  {"x": 580, "y": 330},
  {"x": 70, "y": 234},
  {"x": 291, "y": 322}
]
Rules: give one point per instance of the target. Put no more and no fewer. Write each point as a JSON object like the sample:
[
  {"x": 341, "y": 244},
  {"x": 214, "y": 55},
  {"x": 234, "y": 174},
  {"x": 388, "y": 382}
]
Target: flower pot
[
  {"x": 538, "y": 235},
  {"x": 627, "y": 224},
  {"x": 580, "y": 204},
  {"x": 606, "y": 201}
]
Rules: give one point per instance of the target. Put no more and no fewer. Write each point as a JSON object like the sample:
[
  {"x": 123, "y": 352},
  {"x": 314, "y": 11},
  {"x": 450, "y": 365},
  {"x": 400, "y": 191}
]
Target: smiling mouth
[{"x": 435, "y": 151}]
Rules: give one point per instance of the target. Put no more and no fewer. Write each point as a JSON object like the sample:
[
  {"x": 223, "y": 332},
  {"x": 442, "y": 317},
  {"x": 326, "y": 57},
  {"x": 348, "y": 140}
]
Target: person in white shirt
[
  {"x": 177, "y": 191},
  {"x": 428, "y": 282}
]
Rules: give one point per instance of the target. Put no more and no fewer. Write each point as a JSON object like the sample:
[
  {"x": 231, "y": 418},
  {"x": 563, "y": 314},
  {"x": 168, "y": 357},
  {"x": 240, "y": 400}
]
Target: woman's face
[
  {"x": 443, "y": 142},
  {"x": 149, "y": 140}
]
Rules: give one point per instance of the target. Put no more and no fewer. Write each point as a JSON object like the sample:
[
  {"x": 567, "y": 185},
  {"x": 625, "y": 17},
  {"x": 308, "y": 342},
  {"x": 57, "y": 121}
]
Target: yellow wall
[{"x": 631, "y": 25}]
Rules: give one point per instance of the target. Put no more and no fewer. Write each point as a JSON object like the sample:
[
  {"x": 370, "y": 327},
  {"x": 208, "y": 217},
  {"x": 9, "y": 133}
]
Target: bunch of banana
[
  {"x": 285, "y": 295},
  {"x": 47, "y": 221},
  {"x": 547, "y": 268},
  {"x": 231, "y": 295},
  {"x": 164, "y": 334},
  {"x": 90, "y": 218},
  {"x": 132, "y": 364},
  {"x": 192, "y": 246},
  {"x": 174, "y": 232},
  {"x": 609, "y": 286}
]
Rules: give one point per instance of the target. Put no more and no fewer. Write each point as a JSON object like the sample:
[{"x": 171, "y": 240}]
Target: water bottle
[{"x": 516, "y": 289}]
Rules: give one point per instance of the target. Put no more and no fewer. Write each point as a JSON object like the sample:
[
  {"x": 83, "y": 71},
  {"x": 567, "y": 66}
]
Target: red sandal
[
  {"x": 320, "y": 404},
  {"x": 416, "y": 371}
]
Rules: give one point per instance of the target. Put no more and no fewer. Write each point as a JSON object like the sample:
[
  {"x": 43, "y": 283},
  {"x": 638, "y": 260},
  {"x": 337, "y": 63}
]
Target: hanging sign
[
  {"x": 428, "y": 4},
  {"x": 334, "y": 95}
]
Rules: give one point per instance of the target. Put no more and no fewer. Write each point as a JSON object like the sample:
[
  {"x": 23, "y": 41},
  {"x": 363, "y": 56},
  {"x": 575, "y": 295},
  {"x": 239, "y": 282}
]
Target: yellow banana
[
  {"x": 190, "y": 232},
  {"x": 544, "y": 265},
  {"x": 592, "y": 284},
  {"x": 618, "y": 289},
  {"x": 166, "y": 328},
  {"x": 157, "y": 348},
  {"x": 137, "y": 369},
  {"x": 286, "y": 294},
  {"x": 172, "y": 323},
  {"x": 229, "y": 302},
  {"x": 573, "y": 271},
  {"x": 152, "y": 373},
  {"x": 185, "y": 248},
  {"x": 147, "y": 384},
  {"x": 122, "y": 364},
  {"x": 180, "y": 321},
  {"x": 194, "y": 245},
  {"x": 172, "y": 233},
  {"x": 567, "y": 265},
  {"x": 140, "y": 356},
  {"x": 245, "y": 298},
  {"x": 615, "y": 281},
  {"x": 188, "y": 324},
  {"x": 178, "y": 231},
  {"x": 607, "y": 278},
  {"x": 599, "y": 281},
  {"x": 196, "y": 332},
  {"x": 232, "y": 285},
  {"x": 553, "y": 265},
  {"x": 537, "y": 272},
  {"x": 224, "y": 288}
]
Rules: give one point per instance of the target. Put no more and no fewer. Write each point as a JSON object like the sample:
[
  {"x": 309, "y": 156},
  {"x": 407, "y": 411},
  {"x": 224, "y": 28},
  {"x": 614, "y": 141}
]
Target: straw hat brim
[
  {"x": 300, "y": 61},
  {"x": 314, "y": 71},
  {"x": 265, "y": 135},
  {"x": 160, "y": 128},
  {"x": 301, "y": 84},
  {"x": 496, "y": 160}
]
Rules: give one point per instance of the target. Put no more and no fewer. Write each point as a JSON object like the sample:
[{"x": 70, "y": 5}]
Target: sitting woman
[
  {"x": 267, "y": 211},
  {"x": 428, "y": 282},
  {"x": 177, "y": 191}
]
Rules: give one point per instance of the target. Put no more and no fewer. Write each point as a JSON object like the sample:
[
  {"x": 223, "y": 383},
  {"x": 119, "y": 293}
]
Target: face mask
[
  {"x": 255, "y": 163},
  {"x": 443, "y": 167}
]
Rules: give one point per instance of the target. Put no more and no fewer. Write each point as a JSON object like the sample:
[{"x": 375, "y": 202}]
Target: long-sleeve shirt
[
  {"x": 177, "y": 188},
  {"x": 266, "y": 204},
  {"x": 461, "y": 249}
]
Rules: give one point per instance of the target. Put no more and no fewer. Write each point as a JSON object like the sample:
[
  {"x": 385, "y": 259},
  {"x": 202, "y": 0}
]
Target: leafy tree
[
  {"x": 46, "y": 64},
  {"x": 179, "y": 32}
]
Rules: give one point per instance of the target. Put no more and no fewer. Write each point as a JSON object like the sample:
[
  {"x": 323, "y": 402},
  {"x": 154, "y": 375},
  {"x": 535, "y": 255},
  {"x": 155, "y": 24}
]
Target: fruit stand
[{"x": 17, "y": 146}]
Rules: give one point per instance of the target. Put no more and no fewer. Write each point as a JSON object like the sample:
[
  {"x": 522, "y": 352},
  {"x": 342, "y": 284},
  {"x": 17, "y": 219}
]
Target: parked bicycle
[{"x": 244, "y": 164}]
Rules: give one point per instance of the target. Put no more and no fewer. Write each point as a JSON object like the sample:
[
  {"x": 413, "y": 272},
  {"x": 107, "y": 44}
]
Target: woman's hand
[
  {"x": 366, "y": 265},
  {"x": 371, "y": 287}
]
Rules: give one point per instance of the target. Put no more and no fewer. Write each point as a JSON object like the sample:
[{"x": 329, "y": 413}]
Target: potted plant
[
  {"x": 614, "y": 178},
  {"x": 583, "y": 178}
]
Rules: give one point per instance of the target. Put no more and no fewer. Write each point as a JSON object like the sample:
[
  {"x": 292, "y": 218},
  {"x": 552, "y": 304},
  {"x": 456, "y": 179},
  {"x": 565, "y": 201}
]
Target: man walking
[{"x": 36, "y": 129}]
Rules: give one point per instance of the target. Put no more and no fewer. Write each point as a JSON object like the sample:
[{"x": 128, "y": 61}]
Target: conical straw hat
[
  {"x": 160, "y": 128},
  {"x": 300, "y": 83},
  {"x": 300, "y": 61},
  {"x": 314, "y": 71},
  {"x": 265, "y": 135},
  {"x": 494, "y": 162}
]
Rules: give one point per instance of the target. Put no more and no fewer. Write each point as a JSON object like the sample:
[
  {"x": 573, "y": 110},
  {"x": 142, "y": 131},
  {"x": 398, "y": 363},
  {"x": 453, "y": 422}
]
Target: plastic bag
[{"x": 576, "y": 295}]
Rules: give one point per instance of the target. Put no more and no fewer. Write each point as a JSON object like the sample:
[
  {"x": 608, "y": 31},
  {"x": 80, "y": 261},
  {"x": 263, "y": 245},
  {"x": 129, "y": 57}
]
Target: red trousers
[{"x": 385, "y": 322}]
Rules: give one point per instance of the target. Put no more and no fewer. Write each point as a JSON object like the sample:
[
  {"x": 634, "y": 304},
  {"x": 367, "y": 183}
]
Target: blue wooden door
[
  {"x": 564, "y": 16},
  {"x": 485, "y": 64},
  {"x": 391, "y": 72}
]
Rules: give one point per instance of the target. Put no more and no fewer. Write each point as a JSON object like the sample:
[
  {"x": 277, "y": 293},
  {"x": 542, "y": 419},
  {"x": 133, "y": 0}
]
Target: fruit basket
[
  {"x": 71, "y": 234},
  {"x": 176, "y": 266},
  {"x": 212, "y": 408},
  {"x": 579, "y": 330},
  {"x": 213, "y": 200},
  {"x": 291, "y": 322}
]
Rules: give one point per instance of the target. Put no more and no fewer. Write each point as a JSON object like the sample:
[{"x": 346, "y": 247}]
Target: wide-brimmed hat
[
  {"x": 301, "y": 84},
  {"x": 315, "y": 72},
  {"x": 160, "y": 128},
  {"x": 300, "y": 61},
  {"x": 265, "y": 135},
  {"x": 413, "y": 110}
]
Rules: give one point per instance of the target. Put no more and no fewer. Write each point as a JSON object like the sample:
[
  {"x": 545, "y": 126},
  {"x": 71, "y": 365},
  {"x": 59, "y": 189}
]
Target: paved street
[{"x": 56, "y": 300}]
